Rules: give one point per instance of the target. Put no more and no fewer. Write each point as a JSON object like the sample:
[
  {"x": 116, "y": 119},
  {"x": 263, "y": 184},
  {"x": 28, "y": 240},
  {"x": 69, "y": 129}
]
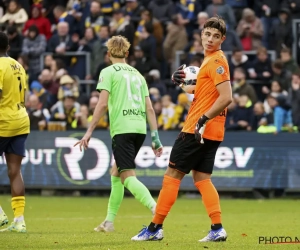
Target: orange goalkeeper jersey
[{"x": 213, "y": 71}]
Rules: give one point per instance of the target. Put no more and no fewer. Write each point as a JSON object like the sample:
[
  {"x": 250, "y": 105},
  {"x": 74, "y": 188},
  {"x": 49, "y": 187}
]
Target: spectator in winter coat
[
  {"x": 222, "y": 9},
  {"x": 15, "y": 42},
  {"x": 33, "y": 46},
  {"x": 250, "y": 30},
  {"x": 281, "y": 33},
  {"x": 37, "y": 19},
  {"x": 261, "y": 68},
  {"x": 176, "y": 39},
  {"x": 15, "y": 15}
]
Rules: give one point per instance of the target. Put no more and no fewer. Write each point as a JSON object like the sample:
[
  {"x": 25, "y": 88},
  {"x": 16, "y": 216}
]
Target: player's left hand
[
  {"x": 200, "y": 128},
  {"x": 84, "y": 142}
]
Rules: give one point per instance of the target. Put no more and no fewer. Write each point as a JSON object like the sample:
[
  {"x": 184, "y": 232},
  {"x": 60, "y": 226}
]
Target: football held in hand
[{"x": 190, "y": 79}]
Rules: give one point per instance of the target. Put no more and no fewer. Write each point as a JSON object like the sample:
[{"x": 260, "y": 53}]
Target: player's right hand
[
  {"x": 157, "y": 147},
  {"x": 179, "y": 75},
  {"x": 84, "y": 142}
]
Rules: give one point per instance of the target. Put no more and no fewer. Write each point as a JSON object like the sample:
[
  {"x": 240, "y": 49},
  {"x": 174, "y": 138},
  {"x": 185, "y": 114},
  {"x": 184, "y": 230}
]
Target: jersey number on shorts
[{"x": 135, "y": 98}]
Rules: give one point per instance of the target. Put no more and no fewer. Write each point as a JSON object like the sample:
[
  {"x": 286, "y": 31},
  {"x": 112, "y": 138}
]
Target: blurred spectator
[
  {"x": 238, "y": 6},
  {"x": 281, "y": 111},
  {"x": 133, "y": 10},
  {"x": 142, "y": 63},
  {"x": 281, "y": 75},
  {"x": 154, "y": 81},
  {"x": 15, "y": 15},
  {"x": 157, "y": 108},
  {"x": 96, "y": 18},
  {"x": 250, "y": 30},
  {"x": 262, "y": 66},
  {"x": 176, "y": 39},
  {"x": 163, "y": 10},
  {"x": 194, "y": 46},
  {"x": 105, "y": 63},
  {"x": 67, "y": 87},
  {"x": 147, "y": 41},
  {"x": 275, "y": 91},
  {"x": 38, "y": 116},
  {"x": 84, "y": 114},
  {"x": 222, "y": 9},
  {"x": 232, "y": 41},
  {"x": 201, "y": 19},
  {"x": 281, "y": 33},
  {"x": 188, "y": 9},
  {"x": 39, "y": 21},
  {"x": 242, "y": 115},
  {"x": 108, "y": 6},
  {"x": 158, "y": 32},
  {"x": 38, "y": 90},
  {"x": 48, "y": 60},
  {"x": 33, "y": 46},
  {"x": 241, "y": 87},
  {"x": 122, "y": 26},
  {"x": 289, "y": 62},
  {"x": 181, "y": 110},
  {"x": 261, "y": 120},
  {"x": 230, "y": 111},
  {"x": 268, "y": 11},
  {"x": 165, "y": 120},
  {"x": 196, "y": 60},
  {"x": 15, "y": 42},
  {"x": 48, "y": 83},
  {"x": 294, "y": 94},
  {"x": 239, "y": 60},
  {"x": 87, "y": 42},
  {"x": 155, "y": 95},
  {"x": 99, "y": 50},
  {"x": 62, "y": 42},
  {"x": 62, "y": 15},
  {"x": 69, "y": 114},
  {"x": 58, "y": 69},
  {"x": 293, "y": 6},
  {"x": 103, "y": 121}
]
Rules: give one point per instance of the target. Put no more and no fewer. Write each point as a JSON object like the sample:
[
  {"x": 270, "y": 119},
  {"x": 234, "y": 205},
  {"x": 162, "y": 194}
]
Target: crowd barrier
[{"x": 244, "y": 161}]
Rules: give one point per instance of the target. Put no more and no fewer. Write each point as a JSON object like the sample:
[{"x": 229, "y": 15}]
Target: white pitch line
[{"x": 96, "y": 218}]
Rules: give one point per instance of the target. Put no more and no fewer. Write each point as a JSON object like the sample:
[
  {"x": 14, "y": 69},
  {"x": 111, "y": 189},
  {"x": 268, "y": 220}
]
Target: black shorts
[
  {"x": 13, "y": 145},
  {"x": 187, "y": 154},
  {"x": 125, "y": 148}
]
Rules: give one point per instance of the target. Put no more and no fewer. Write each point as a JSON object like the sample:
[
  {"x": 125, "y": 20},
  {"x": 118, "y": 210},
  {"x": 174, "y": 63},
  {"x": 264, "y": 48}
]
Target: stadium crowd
[{"x": 266, "y": 89}]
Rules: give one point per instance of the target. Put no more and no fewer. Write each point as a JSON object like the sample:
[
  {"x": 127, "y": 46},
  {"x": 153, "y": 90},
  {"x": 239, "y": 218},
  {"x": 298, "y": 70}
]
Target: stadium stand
[{"x": 55, "y": 39}]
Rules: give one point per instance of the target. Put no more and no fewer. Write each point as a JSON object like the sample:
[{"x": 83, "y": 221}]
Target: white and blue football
[{"x": 190, "y": 79}]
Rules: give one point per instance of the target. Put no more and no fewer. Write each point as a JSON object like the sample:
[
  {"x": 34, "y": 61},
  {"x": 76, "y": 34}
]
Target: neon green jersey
[{"x": 126, "y": 104}]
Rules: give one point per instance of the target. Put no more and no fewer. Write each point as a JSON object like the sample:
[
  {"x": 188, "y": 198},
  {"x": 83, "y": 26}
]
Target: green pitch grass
[{"x": 67, "y": 223}]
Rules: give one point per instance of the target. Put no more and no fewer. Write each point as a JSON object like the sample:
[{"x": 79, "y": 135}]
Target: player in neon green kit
[{"x": 124, "y": 91}]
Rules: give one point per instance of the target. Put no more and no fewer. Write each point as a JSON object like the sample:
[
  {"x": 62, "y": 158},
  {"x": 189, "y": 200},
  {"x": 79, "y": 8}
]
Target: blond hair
[{"x": 118, "y": 46}]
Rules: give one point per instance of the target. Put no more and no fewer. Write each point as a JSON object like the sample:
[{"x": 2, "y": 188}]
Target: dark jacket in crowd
[{"x": 261, "y": 67}]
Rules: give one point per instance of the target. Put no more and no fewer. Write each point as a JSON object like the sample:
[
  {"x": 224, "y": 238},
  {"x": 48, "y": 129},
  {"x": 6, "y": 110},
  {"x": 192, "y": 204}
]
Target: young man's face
[{"x": 211, "y": 39}]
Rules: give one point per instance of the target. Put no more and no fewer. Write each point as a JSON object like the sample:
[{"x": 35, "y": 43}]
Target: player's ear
[
  {"x": 223, "y": 38},
  {"x": 8, "y": 48},
  {"x": 126, "y": 54}
]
